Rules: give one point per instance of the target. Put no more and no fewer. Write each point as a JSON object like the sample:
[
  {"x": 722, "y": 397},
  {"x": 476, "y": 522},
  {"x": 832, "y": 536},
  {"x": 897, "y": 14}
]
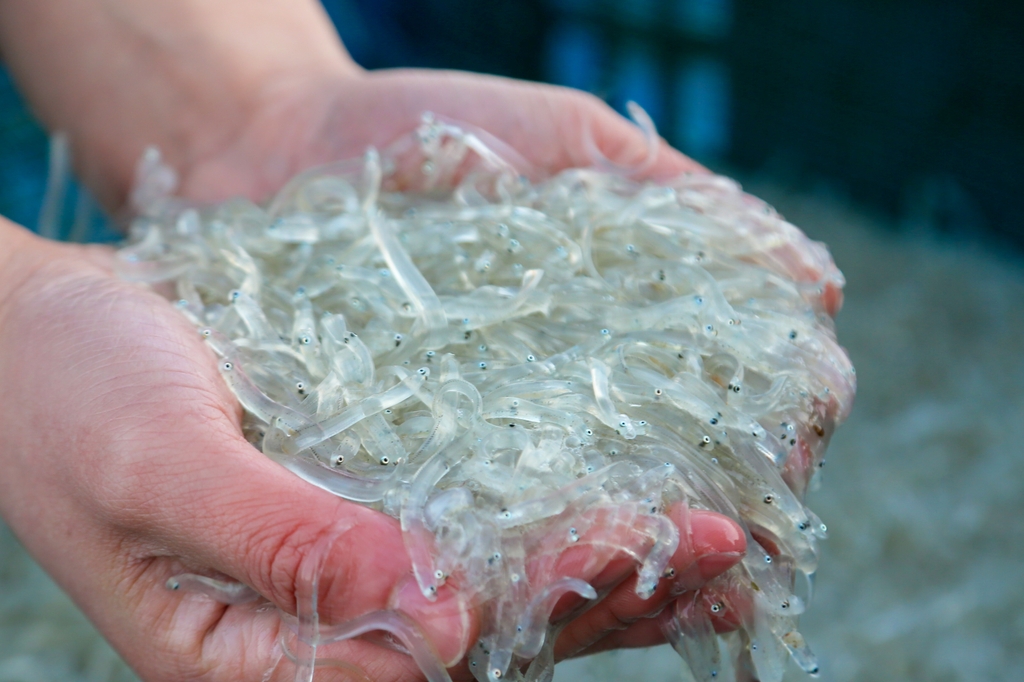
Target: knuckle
[
  {"x": 292, "y": 559},
  {"x": 279, "y": 553},
  {"x": 352, "y": 559},
  {"x": 586, "y": 100},
  {"x": 173, "y": 631}
]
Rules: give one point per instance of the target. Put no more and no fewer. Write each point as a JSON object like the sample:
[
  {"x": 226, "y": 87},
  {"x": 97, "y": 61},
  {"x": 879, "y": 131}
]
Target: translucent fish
[
  {"x": 320, "y": 431},
  {"x": 665, "y": 538},
  {"x": 513, "y": 369},
  {"x": 533, "y": 624},
  {"x": 297, "y": 229},
  {"x": 403, "y": 629},
  {"x": 219, "y": 590},
  {"x": 252, "y": 315},
  {"x": 541, "y": 507},
  {"x": 415, "y": 286},
  {"x": 801, "y": 653},
  {"x": 691, "y": 634}
]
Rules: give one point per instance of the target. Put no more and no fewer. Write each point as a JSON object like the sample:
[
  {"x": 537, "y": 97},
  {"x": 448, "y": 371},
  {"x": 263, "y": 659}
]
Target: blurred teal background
[
  {"x": 912, "y": 108},
  {"x": 22, "y": 157}
]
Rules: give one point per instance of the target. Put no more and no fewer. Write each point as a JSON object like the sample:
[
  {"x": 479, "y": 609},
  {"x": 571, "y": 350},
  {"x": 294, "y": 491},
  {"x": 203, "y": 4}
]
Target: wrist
[
  {"x": 185, "y": 76},
  {"x": 18, "y": 251},
  {"x": 244, "y": 59},
  {"x": 232, "y": 153}
]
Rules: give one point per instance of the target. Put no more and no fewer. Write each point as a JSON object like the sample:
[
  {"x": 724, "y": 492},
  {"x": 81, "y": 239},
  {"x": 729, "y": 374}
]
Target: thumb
[{"x": 303, "y": 549}]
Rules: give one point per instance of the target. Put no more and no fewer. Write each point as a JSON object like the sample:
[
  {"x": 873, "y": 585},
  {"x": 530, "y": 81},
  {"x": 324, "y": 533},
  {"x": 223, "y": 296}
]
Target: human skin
[{"x": 121, "y": 447}]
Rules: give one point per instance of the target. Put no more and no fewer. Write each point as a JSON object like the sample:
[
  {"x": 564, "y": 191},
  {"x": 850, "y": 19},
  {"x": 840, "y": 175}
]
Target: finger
[
  {"x": 545, "y": 124},
  {"x": 724, "y": 605},
  {"x": 643, "y": 633},
  {"x": 269, "y": 528},
  {"x": 717, "y": 544},
  {"x": 251, "y": 642}
]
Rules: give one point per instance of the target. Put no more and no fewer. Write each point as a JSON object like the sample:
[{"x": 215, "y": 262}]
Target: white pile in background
[{"x": 514, "y": 369}]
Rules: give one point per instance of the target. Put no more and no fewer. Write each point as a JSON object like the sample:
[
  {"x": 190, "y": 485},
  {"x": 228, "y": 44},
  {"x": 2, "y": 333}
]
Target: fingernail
[
  {"x": 714, "y": 565},
  {"x": 718, "y": 543},
  {"x": 445, "y": 622},
  {"x": 715, "y": 534}
]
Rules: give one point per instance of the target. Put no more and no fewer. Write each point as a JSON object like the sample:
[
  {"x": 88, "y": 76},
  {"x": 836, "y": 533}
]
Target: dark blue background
[{"x": 914, "y": 108}]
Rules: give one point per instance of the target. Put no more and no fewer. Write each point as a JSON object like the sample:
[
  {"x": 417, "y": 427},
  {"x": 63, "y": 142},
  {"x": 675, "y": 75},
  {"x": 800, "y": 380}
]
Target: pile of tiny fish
[{"x": 513, "y": 368}]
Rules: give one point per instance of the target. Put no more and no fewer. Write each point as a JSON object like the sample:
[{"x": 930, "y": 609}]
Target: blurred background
[
  {"x": 914, "y": 108},
  {"x": 893, "y": 130}
]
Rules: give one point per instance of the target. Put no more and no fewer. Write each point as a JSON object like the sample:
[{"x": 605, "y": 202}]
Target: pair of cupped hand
[{"x": 124, "y": 461}]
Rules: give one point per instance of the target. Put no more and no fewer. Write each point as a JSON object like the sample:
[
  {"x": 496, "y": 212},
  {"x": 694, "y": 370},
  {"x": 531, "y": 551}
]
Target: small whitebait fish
[
  {"x": 298, "y": 229},
  {"x": 692, "y": 635},
  {"x": 412, "y": 282},
  {"x": 501, "y": 637},
  {"x": 513, "y": 369},
  {"x": 484, "y": 308},
  {"x": 801, "y": 653},
  {"x": 243, "y": 261},
  {"x": 316, "y": 433},
  {"x": 259, "y": 403},
  {"x": 330, "y": 477},
  {"x": 252, "y": 316},
  {"x": 219, "y": 590},
  {"x": 402, "y": 628},
  {"x": 533, "y": 625},
  {"x": 620, "y": 423},
  {"x": 538, "y": 508},
  {"x": 665, "y": 538}
]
